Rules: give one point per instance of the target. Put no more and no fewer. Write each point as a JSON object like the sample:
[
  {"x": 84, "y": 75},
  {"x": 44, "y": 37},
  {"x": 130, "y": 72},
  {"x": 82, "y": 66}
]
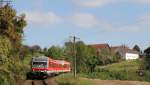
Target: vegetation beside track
[
  {"x": 68, "y": 79},
  {"x": 125, "y": 70}
]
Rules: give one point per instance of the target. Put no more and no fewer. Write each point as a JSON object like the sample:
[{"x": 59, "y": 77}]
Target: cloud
[
  {"x": 140, "y": 1},
  {"x": 42, "y": 18},
  {"x": 84, "y": 20},
  {"x": 141, "y": 24},
  {"x": 93, "y": 3},
  {"x": 87, "y": 20},
  {"x": 96, "y": 3},
  {"x": 144, "y": 21}
]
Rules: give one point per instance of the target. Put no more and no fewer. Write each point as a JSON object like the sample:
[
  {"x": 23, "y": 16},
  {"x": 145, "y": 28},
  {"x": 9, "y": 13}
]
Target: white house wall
[{"x": 131, "y": 56}]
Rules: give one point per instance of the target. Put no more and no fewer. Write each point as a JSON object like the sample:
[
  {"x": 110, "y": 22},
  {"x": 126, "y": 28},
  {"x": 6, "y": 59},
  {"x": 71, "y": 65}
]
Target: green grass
[
  {"x": 130, "y": 65},
  {"x": 124, "y": 70},
  {"x": 68, "y": 79}
]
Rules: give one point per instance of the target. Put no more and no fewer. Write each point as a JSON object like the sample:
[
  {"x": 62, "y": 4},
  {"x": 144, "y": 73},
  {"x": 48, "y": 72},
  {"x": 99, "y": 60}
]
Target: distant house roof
[
  {"x": 99, "y": 46},
  {"x": 124, "y": 49},
  {"x": 114, "y": 48}
]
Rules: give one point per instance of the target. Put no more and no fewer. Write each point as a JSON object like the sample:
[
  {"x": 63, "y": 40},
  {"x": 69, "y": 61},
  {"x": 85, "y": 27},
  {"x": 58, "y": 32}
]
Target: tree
[
  {"x": 11, "y": 36},
  {"x": 25, "y": 51},
  {"x": 68, "y": 51},
  {"x": 91, "y": 60},
  {"x": 136, "y": 48},
  {"x": 147, "y": 58},
  {"x": 106, "y": 56},
  {"x": 81, "y": 57},
  {"x": 85, "y": 56},
  {"x": 5, "y": 49},
  {"x": 12, "y": 25},
  {"x": 55, "y": 52},
  {"x": 35, "y": 48},
  {"x": 147, "y": 51}
]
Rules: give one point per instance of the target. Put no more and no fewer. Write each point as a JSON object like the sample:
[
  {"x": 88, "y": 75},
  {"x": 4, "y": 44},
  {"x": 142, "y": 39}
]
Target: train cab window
[{"x": 39, "y": 64}]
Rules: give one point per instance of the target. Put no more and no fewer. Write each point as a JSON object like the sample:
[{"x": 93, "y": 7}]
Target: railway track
[
  {"x": 49, "y": 81},
  {"x": 39, "y": 82}
]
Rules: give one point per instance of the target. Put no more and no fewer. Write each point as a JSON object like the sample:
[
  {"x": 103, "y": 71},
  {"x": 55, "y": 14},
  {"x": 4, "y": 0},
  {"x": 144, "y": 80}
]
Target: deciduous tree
[
  {"x": 147, "y": 58},
  {"x": 137, "y": 48}
]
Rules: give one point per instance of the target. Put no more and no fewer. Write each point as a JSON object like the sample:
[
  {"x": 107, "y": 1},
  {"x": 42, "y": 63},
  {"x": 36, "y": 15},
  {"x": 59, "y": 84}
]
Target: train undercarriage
[{"x": 40, "y": 75}]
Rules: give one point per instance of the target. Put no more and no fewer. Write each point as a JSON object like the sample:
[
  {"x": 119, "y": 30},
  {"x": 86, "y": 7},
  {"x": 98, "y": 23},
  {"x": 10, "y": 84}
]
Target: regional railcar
[{"x": 45, "y": 66}]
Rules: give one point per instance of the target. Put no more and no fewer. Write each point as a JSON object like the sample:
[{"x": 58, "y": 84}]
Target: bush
[
  {"x": 6, "y": 78},
  {"x": 106, "y": 74}
]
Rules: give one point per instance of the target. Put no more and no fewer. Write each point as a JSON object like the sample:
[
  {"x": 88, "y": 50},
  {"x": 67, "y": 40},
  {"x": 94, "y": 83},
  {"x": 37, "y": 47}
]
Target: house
[
  {"x": 99, "y": 47},
  {"x": 125, "y": 52}
]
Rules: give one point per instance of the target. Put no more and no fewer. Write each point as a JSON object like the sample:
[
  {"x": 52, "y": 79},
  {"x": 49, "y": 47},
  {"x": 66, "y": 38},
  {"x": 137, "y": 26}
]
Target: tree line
[{"x": 87, "y": 58}]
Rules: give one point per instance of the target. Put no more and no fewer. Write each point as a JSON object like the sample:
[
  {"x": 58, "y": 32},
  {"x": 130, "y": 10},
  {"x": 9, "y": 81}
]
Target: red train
[{"x": 42, "y": 67}]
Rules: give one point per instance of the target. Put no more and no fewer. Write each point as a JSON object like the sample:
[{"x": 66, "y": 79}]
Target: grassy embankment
[
  {"x": 68, "y": 79},
  {"x": 125, "y": 70}
]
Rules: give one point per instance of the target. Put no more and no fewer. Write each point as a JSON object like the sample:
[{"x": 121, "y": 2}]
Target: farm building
[{"x": 125, "y": 52}]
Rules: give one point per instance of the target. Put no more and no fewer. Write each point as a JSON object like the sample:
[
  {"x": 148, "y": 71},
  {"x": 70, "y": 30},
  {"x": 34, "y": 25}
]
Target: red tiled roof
[{"x": 99, "y": 46}]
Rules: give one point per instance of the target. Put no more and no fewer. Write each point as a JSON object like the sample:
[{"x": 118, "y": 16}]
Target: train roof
[
  {"x": 44, "y": 58},
  {"x": 41, "y": 58},
  {"x": 59, "y": 61}
]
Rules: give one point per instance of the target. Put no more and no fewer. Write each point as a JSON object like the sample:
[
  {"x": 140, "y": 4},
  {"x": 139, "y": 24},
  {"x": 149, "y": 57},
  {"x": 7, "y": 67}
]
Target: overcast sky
[{"x": 116, "y": 22}]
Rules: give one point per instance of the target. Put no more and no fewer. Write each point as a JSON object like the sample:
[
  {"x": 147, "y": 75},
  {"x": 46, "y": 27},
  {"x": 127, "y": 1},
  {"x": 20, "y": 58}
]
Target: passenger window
[{"x": 52, "y": 65}]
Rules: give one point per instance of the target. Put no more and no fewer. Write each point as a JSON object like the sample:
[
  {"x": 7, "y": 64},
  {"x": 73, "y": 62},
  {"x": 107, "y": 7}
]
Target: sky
[{"x": 116, "y": 22}]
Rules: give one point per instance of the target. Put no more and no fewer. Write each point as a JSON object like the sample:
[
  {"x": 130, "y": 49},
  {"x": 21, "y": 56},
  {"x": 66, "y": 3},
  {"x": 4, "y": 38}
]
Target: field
[
  {"x": 122, "y": 73},
  {"x": 68, "y": 79},
  {"x": 131, "y": 65}
]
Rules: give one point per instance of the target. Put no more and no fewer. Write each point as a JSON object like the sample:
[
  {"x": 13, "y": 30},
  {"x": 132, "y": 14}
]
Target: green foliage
[
  {"x": 68, "y": 79},
  {"x": 85, "y": 56},
  {"x": 11, "y": 34},
  {"x": 137, "y": 48},
  {"x": 68, "y": 51},
  {"x": 105, "y": 74},
  {"x": 126, "y": 70},
  {"x": 5, "y": 48},
  {"x": 147, "y": 58},
  {"x": 55, "y": 52},
  {"x": 82, "y": 55},
  {"x": 12, "y": 25},
  {"x": 106, "y": 56},
  {"x": 123, "y": 65},
  {"x": 12, "y": 72},
  {"x": 147, "y": 51}
]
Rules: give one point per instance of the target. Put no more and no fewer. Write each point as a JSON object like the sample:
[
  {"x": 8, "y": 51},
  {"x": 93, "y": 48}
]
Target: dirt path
[
  {"x": 117, "y": 82},
  {"x": 50, "y": 81}
]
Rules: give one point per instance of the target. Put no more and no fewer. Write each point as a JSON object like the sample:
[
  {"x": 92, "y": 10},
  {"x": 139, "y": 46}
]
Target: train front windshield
[{"x": 39, "y": 65}]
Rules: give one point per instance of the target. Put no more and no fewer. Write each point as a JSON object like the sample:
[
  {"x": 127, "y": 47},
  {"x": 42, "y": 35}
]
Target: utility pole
[{"x": 74, "y": 54}]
